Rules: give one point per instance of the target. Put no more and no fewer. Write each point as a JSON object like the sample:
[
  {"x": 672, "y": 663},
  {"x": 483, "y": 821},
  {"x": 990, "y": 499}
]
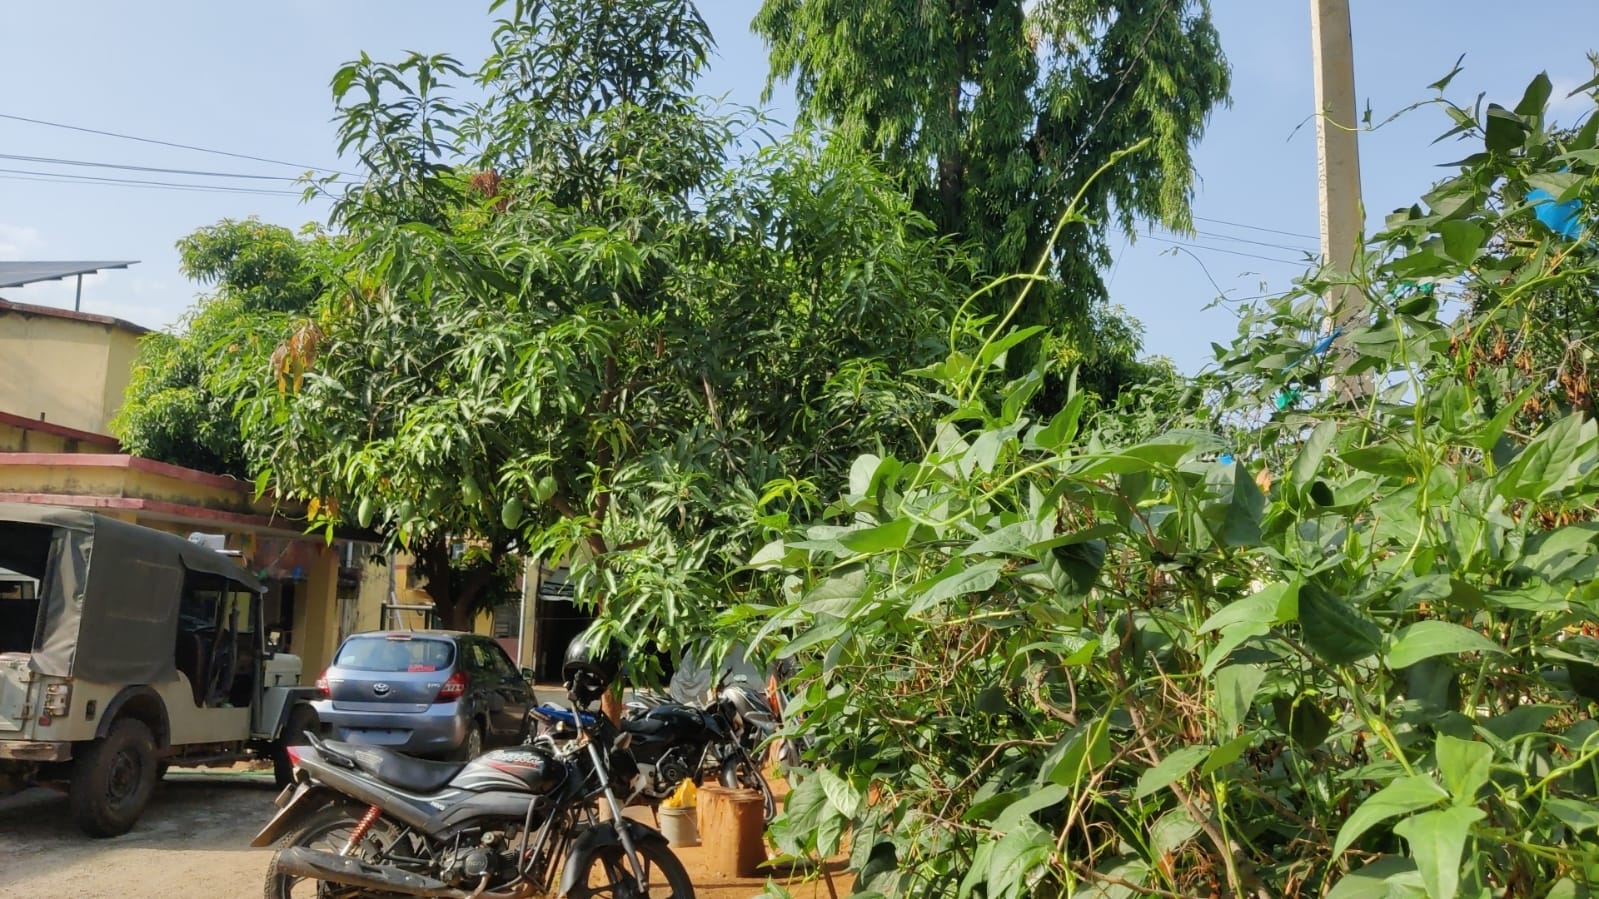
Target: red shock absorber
[{"x": 365, "y": 824}]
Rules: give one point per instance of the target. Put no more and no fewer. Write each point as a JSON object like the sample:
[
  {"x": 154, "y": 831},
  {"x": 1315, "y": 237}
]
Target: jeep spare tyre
[{"x": 112, "y": 778}]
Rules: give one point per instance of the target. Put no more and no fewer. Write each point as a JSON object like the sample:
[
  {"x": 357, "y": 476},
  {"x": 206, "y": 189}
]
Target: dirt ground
[{"x": 193, "y": 843}]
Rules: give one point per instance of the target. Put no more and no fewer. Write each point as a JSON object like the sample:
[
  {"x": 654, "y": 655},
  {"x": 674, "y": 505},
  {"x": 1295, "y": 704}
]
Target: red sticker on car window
[{"x": 421, "y": 668}]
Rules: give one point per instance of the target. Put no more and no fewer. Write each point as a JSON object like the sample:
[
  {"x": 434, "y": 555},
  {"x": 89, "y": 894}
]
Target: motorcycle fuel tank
[
  {"x": 671, "y": 723},
  {"x": 523, "y": 769}
]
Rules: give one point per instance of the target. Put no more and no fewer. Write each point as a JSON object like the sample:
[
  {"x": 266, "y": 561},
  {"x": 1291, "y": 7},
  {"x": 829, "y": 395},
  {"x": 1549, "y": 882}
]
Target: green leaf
[
  {"x": 1577, "y": 815},
  {"x": 1405, "y": 795},
  {"x": 1015, "y": 857},
  {"x": 1379, "y": 458},
  {"x": 890, "y": 535},
  {"x": 1234, "y": 513},
  {"x": 1236, "y": 686},
  {"x": 1536, "y": 96},
  {"x": 1463, "y": 239},
  {"x": 1426, "y": 639},
  {"x": 1302, "y": 719},
  {"x": 1437, "y": 840},
  {"x": 1082, "y": 750},
  {"x": 1227, "y": 753},
  {"x": 1464, "y": 766},
  {"x": 1171, "y": 769},
  {"x": 1022, "y": 809},
  {"x": 1063, "y": 427},
  {"x": 954, "y": 581},
  {"x": 841, "y": 794},
  {"x": 1558, "y": 458},
  {"x": 1272, "y": 604},
  {"x": 1335, "y": 631},
  {"x": 1503, "y": 132},
  {"x": 1376, "y": 880},
  {"x": 768, "y": 557},
  {"x": 1310, "y": 455}
]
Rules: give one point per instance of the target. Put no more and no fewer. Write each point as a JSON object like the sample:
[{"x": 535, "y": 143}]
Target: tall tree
[
  {"x": 567, "y": 323},
  {"x": 175, "y": 410},
  {"x": 994, "y": 113}
]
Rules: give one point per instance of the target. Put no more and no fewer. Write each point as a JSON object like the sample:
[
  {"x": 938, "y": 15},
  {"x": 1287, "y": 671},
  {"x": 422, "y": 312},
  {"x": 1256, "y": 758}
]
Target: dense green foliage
[
  {"x": 1285, "y": 646},
  {"x": 993, "y": 114},
  {"x": 569, "y": 324},
  {"x": 175, "y": 410}
]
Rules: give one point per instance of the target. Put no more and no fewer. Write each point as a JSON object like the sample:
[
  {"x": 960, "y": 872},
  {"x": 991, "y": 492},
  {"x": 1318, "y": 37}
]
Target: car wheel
[
  {"x": 303, "y": 718},
  {"x": 472, "y": 746},
  {"x": 112, "y": 779}
]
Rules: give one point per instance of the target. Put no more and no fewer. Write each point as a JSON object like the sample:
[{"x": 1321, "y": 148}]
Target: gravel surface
[{"x": 193, "y": 842}]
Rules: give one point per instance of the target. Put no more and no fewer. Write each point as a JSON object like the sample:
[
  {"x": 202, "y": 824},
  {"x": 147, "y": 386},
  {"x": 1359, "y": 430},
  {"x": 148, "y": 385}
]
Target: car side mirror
[{"x": 527, "y": 675}]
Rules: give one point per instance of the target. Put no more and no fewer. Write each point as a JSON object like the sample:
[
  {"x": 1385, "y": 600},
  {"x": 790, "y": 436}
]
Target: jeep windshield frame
[{"x": 109, "y": 592}]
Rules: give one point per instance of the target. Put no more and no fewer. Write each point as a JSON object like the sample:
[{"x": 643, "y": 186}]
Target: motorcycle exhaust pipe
[{"x": 317, "y": 864}]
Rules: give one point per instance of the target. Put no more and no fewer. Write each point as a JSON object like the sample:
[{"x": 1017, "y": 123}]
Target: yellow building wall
[{"x": 61, "y": 368}]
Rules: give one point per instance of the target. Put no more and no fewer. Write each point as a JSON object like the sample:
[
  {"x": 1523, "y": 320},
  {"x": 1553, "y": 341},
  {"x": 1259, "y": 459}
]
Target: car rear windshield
[{"x": 395, "y": 654}]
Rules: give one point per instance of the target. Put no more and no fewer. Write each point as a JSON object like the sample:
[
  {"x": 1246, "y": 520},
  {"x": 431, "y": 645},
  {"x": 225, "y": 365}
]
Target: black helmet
[{"x": 589, "y": 672}]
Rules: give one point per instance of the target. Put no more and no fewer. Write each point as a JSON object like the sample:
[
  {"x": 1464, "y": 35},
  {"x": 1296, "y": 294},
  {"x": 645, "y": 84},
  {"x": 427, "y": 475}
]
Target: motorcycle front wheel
[
  {"x": 610, "y": 874},
  {"x": 328, "y": 829}
]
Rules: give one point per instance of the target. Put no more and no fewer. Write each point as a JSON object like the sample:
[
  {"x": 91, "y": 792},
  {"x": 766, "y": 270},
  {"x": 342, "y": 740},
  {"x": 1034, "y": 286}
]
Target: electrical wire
[
  {"x": 56, "y": 178},
  {"x": 1200, "y": 218},
  {"x": 168, "y": 143},
  {"x": 1196, "y": 246},
  {"x": 53, "y": 160},
  {"x": 1211, "y": 235}
]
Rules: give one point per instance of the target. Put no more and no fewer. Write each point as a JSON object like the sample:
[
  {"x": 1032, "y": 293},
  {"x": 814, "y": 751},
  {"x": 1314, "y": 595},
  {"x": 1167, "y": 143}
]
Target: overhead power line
[
  {"x": 1200, "y": 218},
  {"x": 1211, "y": 235},
  {"x": 1195, "y": 246},
  {"x": 56, "y": 178},
  {"x": 53, "y": 160},
  {"x": 167, "y": 143}
]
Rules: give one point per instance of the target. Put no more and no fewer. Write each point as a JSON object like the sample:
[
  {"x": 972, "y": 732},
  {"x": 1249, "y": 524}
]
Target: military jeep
[{"x": 125, "y": 650}]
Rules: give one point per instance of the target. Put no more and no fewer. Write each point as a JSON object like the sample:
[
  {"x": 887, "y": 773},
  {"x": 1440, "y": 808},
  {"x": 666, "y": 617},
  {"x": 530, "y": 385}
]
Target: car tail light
[
  {"x": 322, "y": 685},
  {"x": 57, "y": 699},
  {"x": 453, "y": 688},
  {"x": 293, "y": 753}
]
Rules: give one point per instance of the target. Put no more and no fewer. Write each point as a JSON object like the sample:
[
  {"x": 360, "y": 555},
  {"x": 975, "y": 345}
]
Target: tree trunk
[{"x": 456, "y": 595}]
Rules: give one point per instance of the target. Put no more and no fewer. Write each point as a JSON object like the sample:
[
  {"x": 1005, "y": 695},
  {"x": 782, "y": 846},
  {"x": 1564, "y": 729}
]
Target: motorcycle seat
[{"x": 397, "y": 770}]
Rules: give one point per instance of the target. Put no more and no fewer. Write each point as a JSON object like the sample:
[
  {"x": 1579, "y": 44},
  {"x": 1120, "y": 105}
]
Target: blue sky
[{"x": 253, "y": 79}]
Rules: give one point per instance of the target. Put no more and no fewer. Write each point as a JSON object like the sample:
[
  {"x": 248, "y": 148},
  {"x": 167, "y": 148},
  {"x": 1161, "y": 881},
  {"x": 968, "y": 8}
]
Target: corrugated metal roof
[{"x": 16, "y": 274}]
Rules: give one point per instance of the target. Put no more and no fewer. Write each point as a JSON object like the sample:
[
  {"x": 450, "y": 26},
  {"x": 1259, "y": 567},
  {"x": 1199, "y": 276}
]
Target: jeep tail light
[
  {"x": 453, "y": 688},
  {"x": 57, "y": 699},
  {"x": 322, "y": 685}
]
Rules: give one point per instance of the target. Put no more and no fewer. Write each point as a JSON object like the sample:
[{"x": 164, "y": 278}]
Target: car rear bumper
[
  {"x": 439, "y": 730},
  {"x": 35, "y": 751}
]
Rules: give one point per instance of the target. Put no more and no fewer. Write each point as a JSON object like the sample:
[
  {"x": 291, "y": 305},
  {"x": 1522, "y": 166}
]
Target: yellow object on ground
[{"x": 683, "y": 798}]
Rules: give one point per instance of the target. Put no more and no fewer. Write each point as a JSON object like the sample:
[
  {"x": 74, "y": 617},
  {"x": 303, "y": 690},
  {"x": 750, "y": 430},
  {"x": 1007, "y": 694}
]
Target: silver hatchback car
[{"x": 428, "y": 693}]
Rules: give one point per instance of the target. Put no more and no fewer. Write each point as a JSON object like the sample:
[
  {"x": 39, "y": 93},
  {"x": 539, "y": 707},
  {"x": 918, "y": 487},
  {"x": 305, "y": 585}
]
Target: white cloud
[
  {"x": 1566, "y": 109},
  {"x": 18, "y": 242}
]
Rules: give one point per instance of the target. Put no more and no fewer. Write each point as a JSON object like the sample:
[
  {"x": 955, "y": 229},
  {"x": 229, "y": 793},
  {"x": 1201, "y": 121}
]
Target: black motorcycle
[
  {"x": 674, "y": 739},
  {"x": 360, "y": 821}
]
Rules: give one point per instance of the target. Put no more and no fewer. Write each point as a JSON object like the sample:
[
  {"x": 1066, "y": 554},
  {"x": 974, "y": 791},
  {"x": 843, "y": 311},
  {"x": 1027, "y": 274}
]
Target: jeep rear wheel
[
  {"x": 302, "y": 718},
  {"x": 112, "y": 779}
]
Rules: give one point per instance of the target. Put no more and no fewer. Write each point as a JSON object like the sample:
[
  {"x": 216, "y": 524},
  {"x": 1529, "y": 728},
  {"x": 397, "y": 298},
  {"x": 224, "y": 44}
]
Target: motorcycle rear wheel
[
  {"x": 328, "y": 829},
  {"x": 610, "y": 874}
]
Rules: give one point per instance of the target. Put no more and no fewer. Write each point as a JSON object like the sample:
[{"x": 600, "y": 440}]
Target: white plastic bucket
[{"x": 680, "y": 826}]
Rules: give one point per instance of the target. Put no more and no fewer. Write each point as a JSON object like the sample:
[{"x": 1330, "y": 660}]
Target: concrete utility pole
[{"x": 1337, "y": 155}]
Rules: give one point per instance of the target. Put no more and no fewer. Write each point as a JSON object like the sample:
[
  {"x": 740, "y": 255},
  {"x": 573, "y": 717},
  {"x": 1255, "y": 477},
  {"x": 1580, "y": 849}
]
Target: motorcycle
[
  {"x": 675, "y": 740},
  {"x": 360, "y": 821}
]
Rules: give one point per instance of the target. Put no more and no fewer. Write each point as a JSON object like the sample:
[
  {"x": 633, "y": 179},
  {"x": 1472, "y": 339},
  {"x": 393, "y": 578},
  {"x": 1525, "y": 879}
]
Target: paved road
[{"x": 193, "y": 842}]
